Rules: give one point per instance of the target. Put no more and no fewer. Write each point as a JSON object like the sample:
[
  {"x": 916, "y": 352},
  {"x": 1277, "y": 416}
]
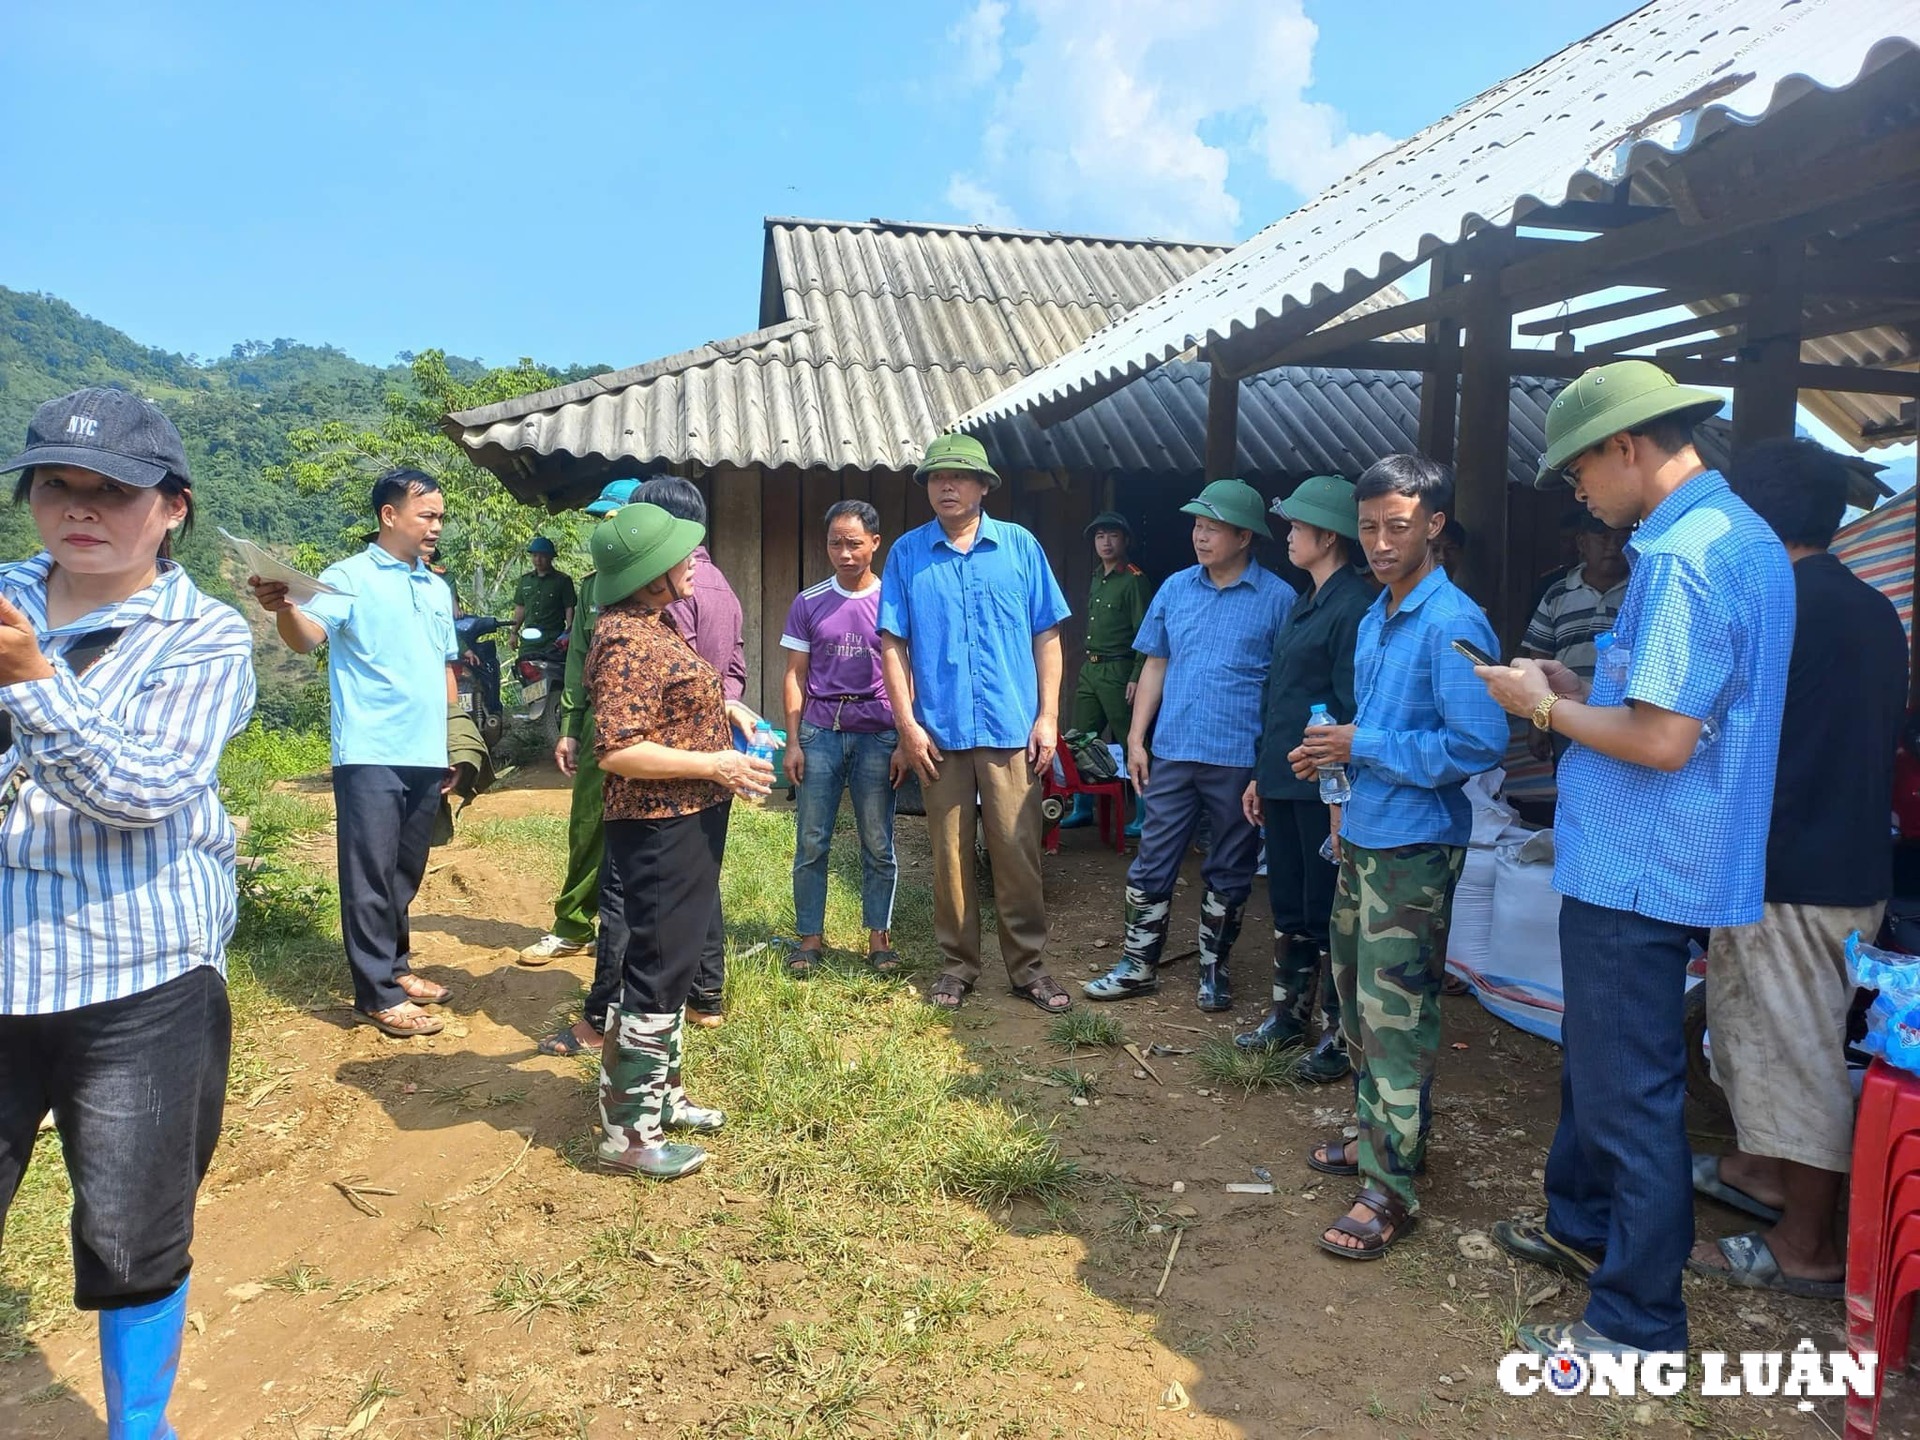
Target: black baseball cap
[{"x": 110, "y": 432}]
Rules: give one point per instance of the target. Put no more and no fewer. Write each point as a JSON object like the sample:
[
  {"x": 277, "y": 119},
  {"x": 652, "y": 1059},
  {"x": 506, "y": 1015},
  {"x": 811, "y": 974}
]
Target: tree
[{"x": 487, "y": 529}]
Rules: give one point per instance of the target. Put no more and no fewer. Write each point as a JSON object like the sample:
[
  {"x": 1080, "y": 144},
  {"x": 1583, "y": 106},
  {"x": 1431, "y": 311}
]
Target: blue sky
[{"x": 585, "y": 183}]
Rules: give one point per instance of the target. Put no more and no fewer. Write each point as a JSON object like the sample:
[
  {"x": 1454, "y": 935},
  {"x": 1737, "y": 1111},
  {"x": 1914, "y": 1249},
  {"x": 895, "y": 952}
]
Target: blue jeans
[
  {"x": 1619, "y": 1175},
  {"x": 844, "y": 760}
]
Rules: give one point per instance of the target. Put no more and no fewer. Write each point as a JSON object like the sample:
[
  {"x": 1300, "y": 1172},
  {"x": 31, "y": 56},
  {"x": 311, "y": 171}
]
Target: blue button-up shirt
[
  {"x": 1217, "y": 644},
  {"x": 969, "y": 618},
  {"x": 1706, "y": 630},
  {"x": 1424, "y": 721},
  {"x": 116, "y": 856},
  {"x": 389, "y": 638}
]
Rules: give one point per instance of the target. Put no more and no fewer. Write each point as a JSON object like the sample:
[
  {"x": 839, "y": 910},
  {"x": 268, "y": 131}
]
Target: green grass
[
  {"x": 1084, "y": 1029},
  {"x": 1225, "y": 1063}
]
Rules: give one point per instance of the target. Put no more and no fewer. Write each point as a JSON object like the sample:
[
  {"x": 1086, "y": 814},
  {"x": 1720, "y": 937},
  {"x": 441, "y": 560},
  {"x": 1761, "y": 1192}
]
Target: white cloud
[
  {"x": 1132, "y": 117},
  {"x": 979, "y": 34},
  {"x": 975, "y": 204}
]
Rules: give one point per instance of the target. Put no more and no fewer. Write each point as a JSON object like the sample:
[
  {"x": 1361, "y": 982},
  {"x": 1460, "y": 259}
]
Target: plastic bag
[{"x": 1893, "y": 1020}]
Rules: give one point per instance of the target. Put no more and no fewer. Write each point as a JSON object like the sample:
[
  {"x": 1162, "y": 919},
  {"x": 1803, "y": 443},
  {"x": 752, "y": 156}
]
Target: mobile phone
[{"x": 1474, "y": 653}]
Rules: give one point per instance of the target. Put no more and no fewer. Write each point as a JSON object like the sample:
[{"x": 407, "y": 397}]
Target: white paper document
[{"x": 301, "y": 587}]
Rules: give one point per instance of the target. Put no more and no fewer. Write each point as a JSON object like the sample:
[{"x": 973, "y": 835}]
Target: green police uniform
[
  {"x": 1116, "y": 604},
  {"x": 545, "y": 600},
  {"x": 579, "y": 903}
]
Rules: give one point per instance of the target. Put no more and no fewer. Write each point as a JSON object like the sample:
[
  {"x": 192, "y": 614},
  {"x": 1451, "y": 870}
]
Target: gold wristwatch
[{"x": 1543, "y": 713}]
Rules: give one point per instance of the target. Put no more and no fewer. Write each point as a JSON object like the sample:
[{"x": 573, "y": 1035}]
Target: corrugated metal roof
[
  {"x": 1644, "y": 89},
  {"x": 873, "y": 333}
]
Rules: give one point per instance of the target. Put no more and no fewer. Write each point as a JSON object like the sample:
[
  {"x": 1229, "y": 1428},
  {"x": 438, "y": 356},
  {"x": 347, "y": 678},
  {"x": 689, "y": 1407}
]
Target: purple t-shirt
[{"x": 839, "y": 633}]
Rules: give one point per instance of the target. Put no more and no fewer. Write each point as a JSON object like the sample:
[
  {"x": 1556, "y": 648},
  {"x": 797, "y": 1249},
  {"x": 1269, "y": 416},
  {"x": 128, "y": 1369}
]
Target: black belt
[{"x": 1103, "y": 659}]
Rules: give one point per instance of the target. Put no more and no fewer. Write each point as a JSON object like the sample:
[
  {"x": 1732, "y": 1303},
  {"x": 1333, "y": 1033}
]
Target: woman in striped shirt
[{"x": 120, "y": 685}]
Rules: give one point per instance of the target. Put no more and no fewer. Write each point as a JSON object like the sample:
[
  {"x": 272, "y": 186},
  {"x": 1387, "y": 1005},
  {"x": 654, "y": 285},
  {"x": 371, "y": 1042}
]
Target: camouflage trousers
[{"x": 1389, "y": 947}]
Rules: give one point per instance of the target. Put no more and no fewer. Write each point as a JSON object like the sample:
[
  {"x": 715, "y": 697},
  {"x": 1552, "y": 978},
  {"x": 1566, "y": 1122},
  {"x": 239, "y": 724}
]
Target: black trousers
[
  {"x": 609, "y": 948},
  {"x": 1299, "y": 883},
  {"x": 137, "y": 1088},
  {"x": 670, "y": 880},
  {"x": 384, "y": 822}
]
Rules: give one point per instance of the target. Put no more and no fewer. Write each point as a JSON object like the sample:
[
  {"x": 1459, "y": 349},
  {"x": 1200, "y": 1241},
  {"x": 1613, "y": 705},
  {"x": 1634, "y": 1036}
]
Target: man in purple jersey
[{"x": 844, "y": 737}]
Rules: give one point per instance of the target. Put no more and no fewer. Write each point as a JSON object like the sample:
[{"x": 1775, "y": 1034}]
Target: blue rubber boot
[
  {"x": 1081, "y": 815},
  {"x": 139, "y": 1354}
]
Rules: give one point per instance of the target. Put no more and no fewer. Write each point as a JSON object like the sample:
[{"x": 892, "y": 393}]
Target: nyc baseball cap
[{"x": 110, "y": 432}]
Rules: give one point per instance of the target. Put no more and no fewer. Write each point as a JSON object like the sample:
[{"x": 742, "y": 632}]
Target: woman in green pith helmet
[
  {"x": 1312, "y": 665},
  {"x": 672, "y": 772}
]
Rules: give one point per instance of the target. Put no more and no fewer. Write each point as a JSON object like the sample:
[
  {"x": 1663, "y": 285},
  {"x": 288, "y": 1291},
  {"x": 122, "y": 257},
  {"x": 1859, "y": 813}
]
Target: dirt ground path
[{"x": 299, "y": 1295}]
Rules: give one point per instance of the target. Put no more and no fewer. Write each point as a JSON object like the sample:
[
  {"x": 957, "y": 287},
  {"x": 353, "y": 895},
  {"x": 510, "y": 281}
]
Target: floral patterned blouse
[{"x": 646, "y": 683}]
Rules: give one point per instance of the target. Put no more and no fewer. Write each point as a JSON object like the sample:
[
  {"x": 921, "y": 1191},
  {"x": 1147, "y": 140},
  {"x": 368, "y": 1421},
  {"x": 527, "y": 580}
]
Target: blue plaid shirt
[
  {"x": 1706, "y": 630},
  {"x": 1217, "y": 644},
  {"x": 1425, "y": 721}
]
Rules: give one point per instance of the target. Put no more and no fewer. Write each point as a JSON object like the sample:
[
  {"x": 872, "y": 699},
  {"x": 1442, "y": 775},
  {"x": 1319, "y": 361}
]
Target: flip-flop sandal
[
  {"x": 1530, "y": 1240},
  {"x": 564, "y": 1043},
  {"x": 404, "y": 1028},
  {"x": 802, "y": 963},
  {"x": 1751, "y": 1266},
  {"x": 1389, "y": 1225},
  {"x": 948, "y": 992},
  {"x": 1042, "y": 993},
  {"x": 884, "y": 962},
  {"x": 428, "y": 994},
  {"x": 1707, "y": 1181}
]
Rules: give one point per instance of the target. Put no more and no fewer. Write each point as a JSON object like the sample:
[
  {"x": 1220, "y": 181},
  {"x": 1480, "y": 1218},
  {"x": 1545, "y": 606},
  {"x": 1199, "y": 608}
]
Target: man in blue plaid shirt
[
  {"x": 1422, "y": 725},
  {"x": 1665, "y": 800},
  {"x": 1208, "y": 639}
]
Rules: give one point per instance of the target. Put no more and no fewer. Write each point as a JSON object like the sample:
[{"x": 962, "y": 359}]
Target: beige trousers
[
  {"x": 1009, "y": 809},
  {"x": 1777, "y": 1001}
]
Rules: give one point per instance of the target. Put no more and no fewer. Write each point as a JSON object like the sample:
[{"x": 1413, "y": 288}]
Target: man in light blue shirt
[
  {"x": 390, "y": 647},
  {"x": 970, "y": 646},
  {"x": 1422, "y": 724},
  {"x": 1208, "y": 639},
  {"x": 1665, "y": 800}
]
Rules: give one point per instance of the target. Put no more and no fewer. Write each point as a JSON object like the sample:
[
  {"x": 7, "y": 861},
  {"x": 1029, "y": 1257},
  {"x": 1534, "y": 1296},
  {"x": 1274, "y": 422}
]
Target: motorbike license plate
[
  {"x": 466, "y": 701},
  {"x": 533, "y": 694}
]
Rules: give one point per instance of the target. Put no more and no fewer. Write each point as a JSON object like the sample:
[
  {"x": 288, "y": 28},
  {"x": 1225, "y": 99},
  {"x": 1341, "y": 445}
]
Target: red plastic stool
[
  {"x": 1111, "y": 794},
  {"x": 1883, "y": 1253}
]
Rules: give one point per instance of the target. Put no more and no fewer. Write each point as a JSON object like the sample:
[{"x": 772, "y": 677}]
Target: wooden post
[
  {"x": 1440, "y": 385},
  {"x": 1481, "y": 452},
  {"x": 1765, "y": 392},
  {"x": 1223, "y": 426}
]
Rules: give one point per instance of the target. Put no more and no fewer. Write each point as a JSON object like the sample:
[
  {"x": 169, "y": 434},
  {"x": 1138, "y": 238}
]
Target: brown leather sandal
[
  {"x": 397, "y": 1022},
  {"x": 1043, "y": 992},
  {"x": 422, "y": 992},
  {"x": 1389, "y": 1225},
  {"x": 1321, "y": 1157},
  {"x": 947, "y": 992}
]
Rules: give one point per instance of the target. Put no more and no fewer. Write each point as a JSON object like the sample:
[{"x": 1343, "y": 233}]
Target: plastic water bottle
[
  {"x": 1611, "y": 660},
  {"x": 761, "y": 747},
  {"x": 1334, "y": 789}
]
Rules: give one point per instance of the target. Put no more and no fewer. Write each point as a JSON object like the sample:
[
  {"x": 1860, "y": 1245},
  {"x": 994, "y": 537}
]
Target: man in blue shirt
[
  {"x": 390, "y": 647},
  {"x": 1423, "y": 723},
  {"x": 1665, "y": 798},
  {"x": 970, "y": 646},
  {"x": 1208, "y": 639}
]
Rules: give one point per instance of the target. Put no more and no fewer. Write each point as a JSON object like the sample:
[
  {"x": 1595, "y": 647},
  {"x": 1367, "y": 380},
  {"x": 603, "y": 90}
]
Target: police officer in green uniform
[
  {"x": 1116, "y": 604},
  {"x": 544, "y": 599}
]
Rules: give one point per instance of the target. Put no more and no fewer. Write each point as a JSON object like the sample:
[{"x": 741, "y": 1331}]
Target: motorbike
[
  {"x": 542, "y": 668},
  {"x": 477, "y": 676}
]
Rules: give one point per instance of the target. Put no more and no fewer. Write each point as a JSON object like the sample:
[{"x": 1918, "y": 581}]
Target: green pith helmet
[
  {"x": 957, "y": 452},
  {"x": 635, "y": 546},
  {"x": 1610, "y": 398},
  {"x": 1110, "y": 520},
  {"x": 1324, "y": 501},
  {"x": 1231, "y": 502}
]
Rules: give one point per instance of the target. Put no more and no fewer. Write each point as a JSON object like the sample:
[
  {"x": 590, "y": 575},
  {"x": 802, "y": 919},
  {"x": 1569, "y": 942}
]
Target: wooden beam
[
  {"x": 1480, "y": 451},
  {"x": 1305, "y": 349},
  {"x": 1440, "y": 380},
  {"x": 1589, "y": 215},
  {"x": 1767, "y": 390},
  {"x": 1811, "y": 328},
  {"x": 1862, "y": 280},
  {"x": 1223, "y": 426},
  {"x": 1691, "y": 325},
  {"x": 1627, "y": 309}
]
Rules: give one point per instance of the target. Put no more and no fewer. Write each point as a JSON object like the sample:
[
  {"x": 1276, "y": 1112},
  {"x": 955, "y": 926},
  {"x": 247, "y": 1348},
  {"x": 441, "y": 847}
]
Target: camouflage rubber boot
[
  {"x": 1286, "y": 1024},
  {"x": 633, "y": 1087},
  {"x": 1138, "y": 972},
  {"x": 1219, "y": 928},
  {"x": 677, "y": 1112}
]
